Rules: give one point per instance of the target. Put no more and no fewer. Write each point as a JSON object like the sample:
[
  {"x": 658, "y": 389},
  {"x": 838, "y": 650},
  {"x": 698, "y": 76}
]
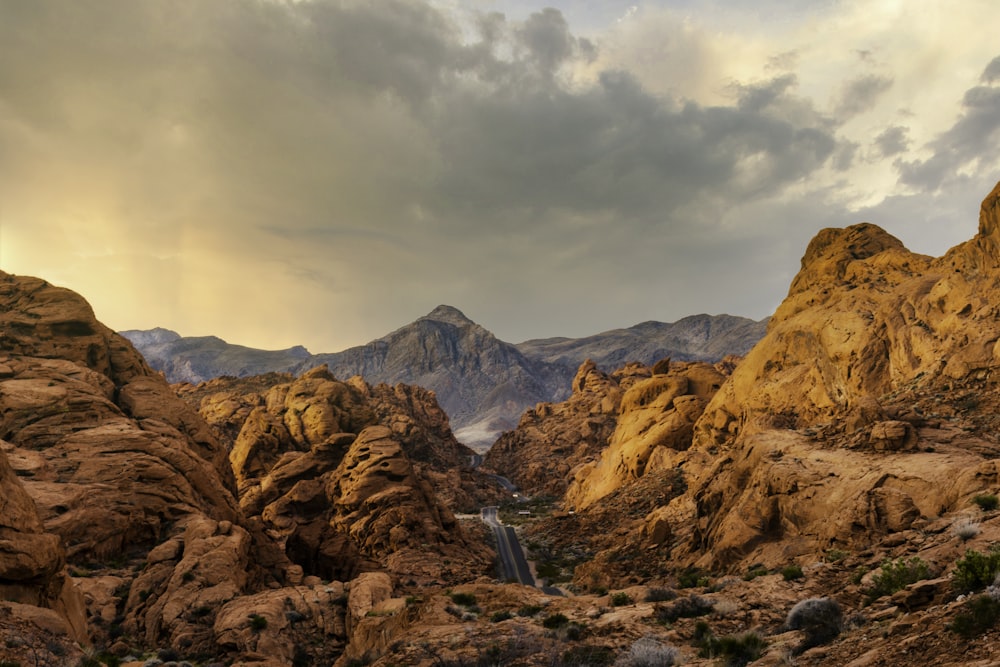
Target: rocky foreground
[{"x": 831, "y": 499}]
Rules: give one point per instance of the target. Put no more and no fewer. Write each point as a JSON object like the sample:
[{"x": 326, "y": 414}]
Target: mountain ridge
[{"x": 483, "y": 383}]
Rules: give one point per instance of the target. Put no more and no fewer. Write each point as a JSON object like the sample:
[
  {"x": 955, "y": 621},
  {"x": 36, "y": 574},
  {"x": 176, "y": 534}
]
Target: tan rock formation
[
  {"x": 552, "y": 441},
  {"x": 341, "y": 493},
  {"x": 116, "y": 465},
  {"x": 33, "y": 561},
  {"x": 655, "y": 424}
]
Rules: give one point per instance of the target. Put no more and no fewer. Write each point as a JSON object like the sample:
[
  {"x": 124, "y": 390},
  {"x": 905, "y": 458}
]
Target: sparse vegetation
[
  {"x": 986, "y": 501},
  {"x": 754, "y": 572},
  {"x": 689, "y": 607},
  {"x": 897, "y": 575},
  {"x": 965, "y": 529},
  {"x": 660, "y": 595},
  {"x": 976, "y": 570},
  {"x": 463, "y": 599},
  {"x": 648, "y": 652},
  {"x": 735, "y": 650},
  {"x": 529, "y": 610},
  {"x": 792, "y": 573},
  {"x": 257, "y": 622},
  {"x": 835, "y": 555},
  {"x": 620, "y": 599},
  {"x": 498, "y": 616},
  {"x": 979, "y": 614},
  {"x": 691, "y": 578},
  {"x": 820, "y": 619},
  {"x": 554, "y": 621}
]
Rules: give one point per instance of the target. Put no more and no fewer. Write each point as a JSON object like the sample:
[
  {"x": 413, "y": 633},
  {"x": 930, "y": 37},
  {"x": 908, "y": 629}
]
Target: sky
[{"x": 323, "y": 172}]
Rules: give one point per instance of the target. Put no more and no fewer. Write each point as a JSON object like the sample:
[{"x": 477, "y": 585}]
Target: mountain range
[{"x": 483, "y": 383}]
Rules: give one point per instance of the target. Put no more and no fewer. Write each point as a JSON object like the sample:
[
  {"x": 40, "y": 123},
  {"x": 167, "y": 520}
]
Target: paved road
[{"x": 512, "y": 560}]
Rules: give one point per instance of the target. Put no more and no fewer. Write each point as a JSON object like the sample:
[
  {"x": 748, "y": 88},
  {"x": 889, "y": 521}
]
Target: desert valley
[{"x": 817, "y": 489}]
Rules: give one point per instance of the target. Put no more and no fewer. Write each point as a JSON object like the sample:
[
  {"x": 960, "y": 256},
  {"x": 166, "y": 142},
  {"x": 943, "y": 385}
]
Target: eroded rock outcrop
[
  {"x": 867, "y": 327},
  {"x": 121, "y": 472},
  {"x": 345, "y": 477},
  {"x": 552, "y": 440},
  {"x": 653, "y": 428}
]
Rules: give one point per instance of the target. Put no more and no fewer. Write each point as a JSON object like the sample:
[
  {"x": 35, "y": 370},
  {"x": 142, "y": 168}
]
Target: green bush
[
  {"x": 529, "y": 610},
  {"x": 554, "y": 621},
  {"x": 257, "y": 622},
  {"x": 620, "y": 599},
  {"x": 986, "y": 501},
  {"x": 660, "y": 595},
  {"x": 979, "y": 615},
  {"x": 835, "y": 555},
  {"x": 976, "y": 570},
  {"x": 689, "y": 607},
  {"x": 897, "y": 575},
  {"x": 754, "y": 572},
  {"x": 463, "y": 599},
  {"x": 791, "y": 572},
  {"x": 735, "y": 650},
  {"x": 498, "y": 616},
  {"x": 692, "y": 577}
]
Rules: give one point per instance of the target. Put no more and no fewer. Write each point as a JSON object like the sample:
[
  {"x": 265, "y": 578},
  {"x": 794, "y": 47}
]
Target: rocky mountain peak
[
  {"x": 448, "y": 315},
  {"x": 832, "y": 250}
]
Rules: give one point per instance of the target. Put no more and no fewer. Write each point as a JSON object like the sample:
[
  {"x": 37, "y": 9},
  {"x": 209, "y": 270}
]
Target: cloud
[
  {"x": 892, "y": 141},
  {"x": 321, "y": 172},
  {"x": 971, "y": 144},
  {"x": 860, "y": 94}
]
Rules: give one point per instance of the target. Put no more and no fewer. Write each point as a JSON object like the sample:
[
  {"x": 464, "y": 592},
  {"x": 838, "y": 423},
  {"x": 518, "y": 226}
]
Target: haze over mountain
[{"x": 483, "y": 383}]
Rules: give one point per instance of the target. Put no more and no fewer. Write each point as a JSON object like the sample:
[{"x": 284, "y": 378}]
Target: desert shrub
[
  {"x": 554, "y": 621},
  {"x": 835, "y": 555},
  {"x": 725, "y": 608},
  {"x": 976, "y": 570},
  {"x": 689, "y": 607},
  {"x": 791, "y": 572},
  {"x": 660, "y": 595},
  {"x": 573, "y": 632},
  {"x": 819, "y": 618},
  {"x": 498, "y": 616},
  {"x": 587, "y": 656},
  {"x": 168, "y": 654},
  {"x": 620, "y": 599},
  {"x": 965, "y": 529},
  {"x": 257, "y": 622},
  {"x": 978, "y": 615},
  {"x": 754, "y": 572},
  {"x": 529, "y": 610},
  {"x": 463, "y": 599},
  {"x": 735, "y": 650},
  {"x": 897, "y": 575},
  {"x": 692, "y": 577},
  {"x": 986, "y": 501},
  {"x": 648, "y": 652}
]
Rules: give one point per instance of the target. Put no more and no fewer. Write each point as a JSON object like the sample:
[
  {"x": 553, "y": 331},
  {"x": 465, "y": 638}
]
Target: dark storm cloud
[
  {"x": 973, "y": 140},
  {"x": 892, "y": 141},
  {"x": 992, "y": 72},
  {"x": 401, "y": 156}
]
